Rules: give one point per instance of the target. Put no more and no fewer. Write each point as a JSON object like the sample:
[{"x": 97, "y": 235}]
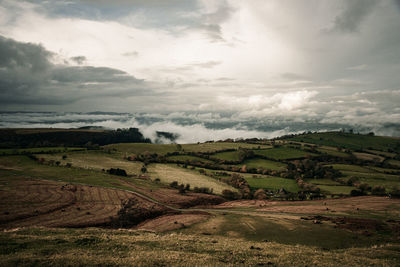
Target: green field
[
  {"x": 218, "y": 146},
  {"x": 12, "y": 151},
  {"x": 95, "y": 161},
  {"x": 230, "y": 156},
  {"x": 273, "y": 183},
  {"x": 263, "y": 163},
  {"x": 282, "y": 153},
  {"x": 353, "y": 168},
  {"x": 336, "y": 189},
  {"x": 394, "y": 162},
  {"x": 162, "y": 149},
  {"x": 375, "y": 179},
  {"x": 140, "y": 148},
  {"x": 350, "y": 141},
  {"x": 333, "y": 152},
  {"x": 189, "y": 158},
  {"x": 22, "y": 165},
  {"x": 168, "y": 173},
  {"x": 331, "y": 187}
]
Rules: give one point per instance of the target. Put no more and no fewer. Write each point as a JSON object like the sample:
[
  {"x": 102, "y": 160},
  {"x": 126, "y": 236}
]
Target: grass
[
  {"x": 375, "y": 179},
  {"x": 282, "y": 153},
  {"x": 231, "y": 156},
  {"x": 378, "y": 169},
  {"x": 333, "y": 152},
  {"x": 394, "y": 162},
  {"x": 368, "y": 156},
  {"x": 218, "y": 146},
  {"x": 353, "y": 168},
  {"x": 273, "y": 183},
  {"x": 381, "y": 153},
  {"x": 336, "y": 189},
  {"x": 140, "y": 148},
  {"x": 283, "y": 229},
  {"x": 95, "y": 161},
  {"x": 169, "y": 173},
  {"x": 189, "y": 158},
  {"x": 350, "y": 141},
  {"x": 162, "y": 149},
  {"x": 263, "y": 163},
  {"x": 322, "y": 182},
  {"x": 22, "y": 165},
  {"x": 99, "y": 247},
  {"x": 331, "y": 187},
  {"x": 16, "y": 151}
]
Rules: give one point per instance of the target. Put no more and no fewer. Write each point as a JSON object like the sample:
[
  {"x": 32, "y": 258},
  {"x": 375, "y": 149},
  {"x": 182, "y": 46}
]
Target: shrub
[
  {"x": 181, "y": 189},
  {"x": 351, "y": 181},
  {"x": 364, "y": 187},
  {"x": 378, "y": 191},
  {"x": 117, "y": 171},
  {"x": 143, "y": 169},
  {"x": 395, "y": 193},
  {"x": 174, "y": 184},
  {"x": 228, "y": 194},
  {"x": 356, "y": 193},
  {"x": 260, "y": 194}
]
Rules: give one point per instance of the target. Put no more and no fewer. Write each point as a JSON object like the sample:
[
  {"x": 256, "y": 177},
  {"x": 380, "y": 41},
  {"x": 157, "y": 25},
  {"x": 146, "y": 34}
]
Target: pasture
[
  {"x": 170, "y": 173},
  {"x": 213, "y": 147},
  {"x": 283, "y": 153},
  {"x": 18, "y": 151},
  {"x": 230, "y": 156},
  {"x": 273, "y": 183},
  {"x": 257, "y": 163},
  {"x": 21, "y": 165},
  {"x": 189, "y": 158},
  {"x": 350, "y": 141},
  {"x": 95, "y": 161}
]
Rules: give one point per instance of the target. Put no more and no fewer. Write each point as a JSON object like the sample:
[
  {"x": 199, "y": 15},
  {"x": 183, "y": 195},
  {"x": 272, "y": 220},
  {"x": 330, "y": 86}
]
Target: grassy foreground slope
[{"x": 94, "y": 247}]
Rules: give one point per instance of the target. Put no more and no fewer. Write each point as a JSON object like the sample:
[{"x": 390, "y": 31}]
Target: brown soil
[
  {"x": 359, "y": 225},
  {"x": 54, "y": 204},
  {"x": 173, "y": 198},
  {"x": 172, "y": 222},
  {"x": 345, "y": 205}
]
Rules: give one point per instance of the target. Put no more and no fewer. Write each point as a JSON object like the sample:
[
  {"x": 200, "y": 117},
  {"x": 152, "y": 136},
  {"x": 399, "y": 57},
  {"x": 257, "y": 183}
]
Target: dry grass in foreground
[{"x": 89, "y": 247}]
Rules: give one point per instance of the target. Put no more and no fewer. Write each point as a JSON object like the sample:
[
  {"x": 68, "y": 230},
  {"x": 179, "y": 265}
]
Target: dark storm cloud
[
  {"x": 397, "y": 2},
  {"x": 78, "y": 59},
  {"x": 157, "y": 12},
  {"x": 27, "y": 76},
  {"x": 353, "y": 14},
  {"x": 176, "y": 16}
]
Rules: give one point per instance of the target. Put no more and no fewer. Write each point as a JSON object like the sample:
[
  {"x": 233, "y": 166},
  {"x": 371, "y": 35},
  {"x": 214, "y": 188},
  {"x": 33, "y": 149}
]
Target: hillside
[{"x": 295, "y": 200}]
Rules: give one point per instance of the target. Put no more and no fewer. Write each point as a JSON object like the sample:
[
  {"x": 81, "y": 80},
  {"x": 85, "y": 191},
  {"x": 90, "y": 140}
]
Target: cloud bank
[{"x": 253, "y": 66}]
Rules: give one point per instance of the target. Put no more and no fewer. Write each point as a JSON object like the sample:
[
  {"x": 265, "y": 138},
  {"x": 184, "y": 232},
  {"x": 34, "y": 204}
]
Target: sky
[{"x": 314, "y": 61}]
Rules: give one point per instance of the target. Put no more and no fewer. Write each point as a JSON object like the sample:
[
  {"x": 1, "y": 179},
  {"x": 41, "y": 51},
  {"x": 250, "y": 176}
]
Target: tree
[
  {"x": 260, "y": 194},
  {"x": 143, "y": 169},
  {"x": 174, "y": 184},
  {"x": 378, "y": 191},
  {"x": 228, "y": 194}
]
